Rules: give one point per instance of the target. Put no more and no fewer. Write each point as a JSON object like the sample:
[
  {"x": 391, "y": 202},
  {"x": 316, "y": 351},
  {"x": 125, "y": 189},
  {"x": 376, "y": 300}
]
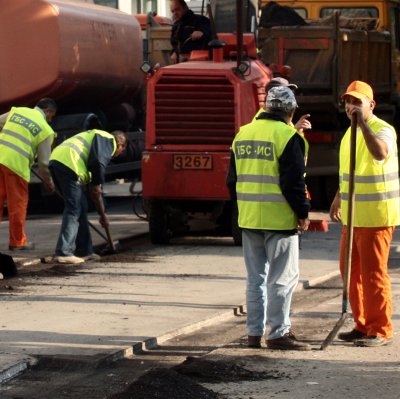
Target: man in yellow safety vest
[
  {"x": 266, "y": 178},
  {"x": 376, "y": 212},
  {"x": 75, "y": 164},
  {"x": 25, "y": 135}
]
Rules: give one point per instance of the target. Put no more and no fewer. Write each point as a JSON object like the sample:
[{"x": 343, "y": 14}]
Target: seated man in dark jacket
[{"x": 189, "y": 32}]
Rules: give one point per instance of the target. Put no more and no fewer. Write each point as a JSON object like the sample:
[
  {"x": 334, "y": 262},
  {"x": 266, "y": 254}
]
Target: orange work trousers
[
  {"x": 15, "y": 189},
  {"x": 370, "y": 292}
]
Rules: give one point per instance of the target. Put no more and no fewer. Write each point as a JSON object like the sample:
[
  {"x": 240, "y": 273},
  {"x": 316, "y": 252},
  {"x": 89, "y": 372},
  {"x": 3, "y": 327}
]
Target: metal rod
[{"x": 239, "y": 30}]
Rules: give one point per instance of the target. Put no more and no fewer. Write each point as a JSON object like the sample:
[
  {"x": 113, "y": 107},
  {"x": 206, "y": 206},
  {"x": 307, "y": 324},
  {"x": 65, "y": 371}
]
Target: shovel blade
[{"x": 328, "y": 340}]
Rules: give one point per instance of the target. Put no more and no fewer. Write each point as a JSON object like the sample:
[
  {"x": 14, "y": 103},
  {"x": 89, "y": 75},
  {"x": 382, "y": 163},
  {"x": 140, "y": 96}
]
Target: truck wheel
[
  {"x": 236, "y": 230},
  {"x": 158, "y": 223}
]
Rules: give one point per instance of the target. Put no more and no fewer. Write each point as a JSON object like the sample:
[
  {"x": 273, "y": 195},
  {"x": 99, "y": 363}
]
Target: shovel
[
  {"x": 349, "y": 240},
  {"x": 100, "y": 207}
]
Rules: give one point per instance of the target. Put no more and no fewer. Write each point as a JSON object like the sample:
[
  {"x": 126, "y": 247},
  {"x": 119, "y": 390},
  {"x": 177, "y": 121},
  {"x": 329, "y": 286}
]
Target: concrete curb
[
  {"x": 12, "y": 371},
  {"x": 153, "y": 342},
  {"x": 318, "y": 280}
]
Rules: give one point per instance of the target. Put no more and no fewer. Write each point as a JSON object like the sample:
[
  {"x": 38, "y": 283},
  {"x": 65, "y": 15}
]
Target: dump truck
[{"x": 342, "y": 41}]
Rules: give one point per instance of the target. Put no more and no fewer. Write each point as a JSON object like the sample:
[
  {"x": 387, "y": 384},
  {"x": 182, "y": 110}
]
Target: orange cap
[{"x": 359, "y": 90}]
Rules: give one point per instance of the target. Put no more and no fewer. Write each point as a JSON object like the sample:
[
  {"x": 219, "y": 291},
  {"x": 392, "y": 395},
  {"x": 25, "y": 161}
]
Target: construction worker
[
  {"x": 301, "y": 125},
  {"x": 25, "y": 135},
  {"x": 75, "y": 163},
  {"x": 189, "y": 31},
  {"x": 376, "y": 212},
  {"x": 266, "y": 178}
]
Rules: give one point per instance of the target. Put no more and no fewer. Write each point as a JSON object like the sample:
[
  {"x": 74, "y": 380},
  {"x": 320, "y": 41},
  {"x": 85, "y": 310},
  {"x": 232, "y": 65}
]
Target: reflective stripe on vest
[
  {"x": 376, "y": 184},
  {"x": 306, "y": 144},
  {"x": 261, "y": 197},
  {"x": 83, "y": 153},
  {"x": 17, "y": 149},
  {"x": 74, "y": 152},
  {"x": 257, "y": 148},
  {"x": 23, "y": 131},
  {"x": 258, "y": 179}
]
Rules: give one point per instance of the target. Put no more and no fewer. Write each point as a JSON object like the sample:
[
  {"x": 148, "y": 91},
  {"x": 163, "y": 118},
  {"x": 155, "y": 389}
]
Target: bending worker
[
  {"x": 266, "y": 177},
  {"x": 189, "y": 32},
  {"x": 376, "y": 212},
  {"x": 25, "y": 135},
  {"x": 77, "y": 162}
]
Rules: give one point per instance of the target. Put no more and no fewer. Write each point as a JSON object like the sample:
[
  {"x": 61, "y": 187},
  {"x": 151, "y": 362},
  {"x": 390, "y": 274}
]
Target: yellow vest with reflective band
[
  {"x": 74, "y": 152},
  {"x": 257, "y": 149},
  {"x": 307, "y": 146},
  {"x": 376, "y": 184},
  {"x": 24, "y": 130}
]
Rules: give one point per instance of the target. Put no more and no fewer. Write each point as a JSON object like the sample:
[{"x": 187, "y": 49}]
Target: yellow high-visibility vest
[
  {"x": 74, "y": 152},
  {"x": 257, "y": 149},
  {"x": 376, "y": 184},
  {"x": 306, "y": 144},
  {"x": 24, "y": 130}
]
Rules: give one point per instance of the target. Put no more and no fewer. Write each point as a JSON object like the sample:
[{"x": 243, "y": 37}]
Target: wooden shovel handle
[{"x": 350, "y": 214}]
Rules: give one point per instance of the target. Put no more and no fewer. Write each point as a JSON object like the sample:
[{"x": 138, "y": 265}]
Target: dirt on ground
[
  {"x": 165, "y": 383},
  {"x": 204, "y": 370},
  {"x": 183, "y": 381}
]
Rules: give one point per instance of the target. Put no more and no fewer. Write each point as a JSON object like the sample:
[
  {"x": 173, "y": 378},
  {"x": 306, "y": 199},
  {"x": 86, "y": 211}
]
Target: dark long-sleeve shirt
[
  {"x": 100, "y": 154},
  {"x": 183, "y": 28},
  {"x": 291, "y": 173}
]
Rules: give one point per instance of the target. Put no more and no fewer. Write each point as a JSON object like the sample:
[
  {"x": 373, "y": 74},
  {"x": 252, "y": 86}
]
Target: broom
[{"x": 349, "y": 241}]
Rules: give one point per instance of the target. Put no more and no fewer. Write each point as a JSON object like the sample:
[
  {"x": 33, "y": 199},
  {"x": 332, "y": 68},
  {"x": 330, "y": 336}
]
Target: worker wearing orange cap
[{"x": 376, "y": 212}]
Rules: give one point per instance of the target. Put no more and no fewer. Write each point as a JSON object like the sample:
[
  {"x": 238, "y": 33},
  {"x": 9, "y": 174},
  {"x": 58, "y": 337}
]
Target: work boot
[
  {"x": 26, "y": 247},
  {"x": 71, "y": 260},
  {"x": 351, "y": 336},
  {"x": 288, "y": 342},
  {"x": 254, "y": 341},
  {"x": 372, "y": 341}
]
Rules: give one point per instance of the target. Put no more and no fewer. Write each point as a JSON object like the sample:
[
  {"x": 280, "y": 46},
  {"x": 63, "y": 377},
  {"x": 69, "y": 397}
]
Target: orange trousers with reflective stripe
[
  {"x": 15, "y": 189},
  {"x": 370, "y": 292}
]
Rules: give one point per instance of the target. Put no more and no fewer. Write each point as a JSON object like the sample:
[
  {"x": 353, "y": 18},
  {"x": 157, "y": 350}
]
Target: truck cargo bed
[{"x": 325, "y": 59}]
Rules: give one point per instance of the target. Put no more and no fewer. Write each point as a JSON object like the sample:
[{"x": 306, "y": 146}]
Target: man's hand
[
  {"x": 50, "y": 187},
  {"x": 303, "y": 123},
  {"x": 303, "y": 224},
  {"x": 335, "y": 211},
  {"x": 103, "y": 220},
  {"x": 47, "y": 181},
  {"x": 356, "y": 110},
  {"x": 174, "y": 58},
  {"x": 196, "y": 35}
]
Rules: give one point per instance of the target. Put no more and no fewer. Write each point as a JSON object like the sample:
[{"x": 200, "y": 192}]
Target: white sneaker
[
  {"x": 72, "y": 260},
  {"x": 93, "y": 256}
]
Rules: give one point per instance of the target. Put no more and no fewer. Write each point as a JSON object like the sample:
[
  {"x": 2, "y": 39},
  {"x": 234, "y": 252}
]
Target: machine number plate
[{"x": 189, "y": 161}]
